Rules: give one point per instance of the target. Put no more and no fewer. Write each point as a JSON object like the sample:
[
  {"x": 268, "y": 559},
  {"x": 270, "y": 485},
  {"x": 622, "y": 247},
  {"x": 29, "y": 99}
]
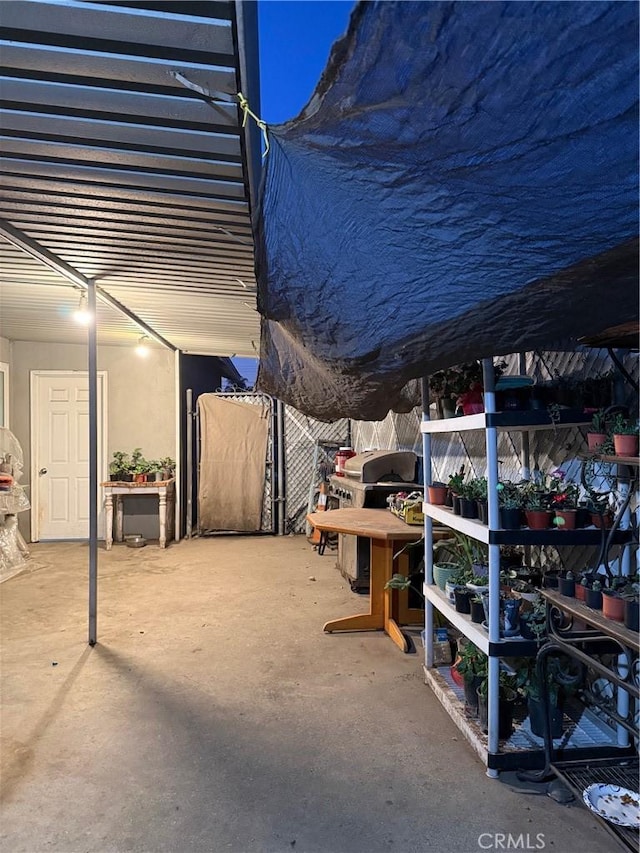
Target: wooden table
[
  {"x": 164, "y": 489},
  {"x": 386, "y": 532}
]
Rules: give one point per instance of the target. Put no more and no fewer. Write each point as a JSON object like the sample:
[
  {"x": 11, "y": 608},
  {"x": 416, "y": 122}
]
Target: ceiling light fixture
[
  {"x": 142, "y": 349},
  {"x": 82, "y": 315}
]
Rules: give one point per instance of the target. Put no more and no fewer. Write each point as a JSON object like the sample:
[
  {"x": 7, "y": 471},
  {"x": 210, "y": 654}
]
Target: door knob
[{"x": 42, "y": 471}]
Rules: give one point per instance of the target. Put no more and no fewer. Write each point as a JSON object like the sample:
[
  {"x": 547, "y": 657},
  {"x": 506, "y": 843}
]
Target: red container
[{"x": 341, "y": 457}]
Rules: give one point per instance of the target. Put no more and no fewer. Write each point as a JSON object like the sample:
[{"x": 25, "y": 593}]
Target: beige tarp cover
[{"x": 232, "y": 463}]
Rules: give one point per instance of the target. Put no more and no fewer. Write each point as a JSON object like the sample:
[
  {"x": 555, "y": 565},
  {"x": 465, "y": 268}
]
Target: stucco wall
[{"x": 140, "y": 406}]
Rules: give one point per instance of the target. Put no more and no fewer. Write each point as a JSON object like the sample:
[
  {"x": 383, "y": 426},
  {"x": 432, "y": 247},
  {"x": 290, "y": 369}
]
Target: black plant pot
[
  {"x": 510, "y": 519},
  {"x": 594, "y": 599},
  {"x": 127, "y": 478},
  {"x": 468, "y": 508},
  {"x": 505, "y": 716},
  {"x": 477, "y": 612},
  {"x": 630, "y": 615},
  {"x": 567, "y": 586},
  {"x": 550, "y": 580},
  {"x": 455, "y": 503},
  {"x": 471, "y": 693},
  {"x": 448, "y": 498},
  {"x": 583, "y": 517},
  {"x": 536, "y": 718},
  {"x": 483, "y": 511},
  {"x": 115, "y": 478},
  {"x": 463, "y": 600}
]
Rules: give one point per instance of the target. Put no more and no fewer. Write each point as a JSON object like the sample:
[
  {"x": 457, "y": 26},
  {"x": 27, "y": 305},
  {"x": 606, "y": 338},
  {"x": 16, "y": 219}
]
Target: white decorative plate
[{"x": 615, "y": 804}]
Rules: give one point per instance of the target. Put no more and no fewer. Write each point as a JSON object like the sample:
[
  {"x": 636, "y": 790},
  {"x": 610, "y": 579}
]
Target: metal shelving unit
[{"x": 492, "y": 535}]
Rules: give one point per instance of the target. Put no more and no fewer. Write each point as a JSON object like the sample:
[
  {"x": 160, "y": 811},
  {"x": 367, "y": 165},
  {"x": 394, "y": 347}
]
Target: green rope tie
[{"x": 244, "y": 106}]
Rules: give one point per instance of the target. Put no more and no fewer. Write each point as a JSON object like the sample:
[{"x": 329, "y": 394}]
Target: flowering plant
[{"x": 563, "y": 494}]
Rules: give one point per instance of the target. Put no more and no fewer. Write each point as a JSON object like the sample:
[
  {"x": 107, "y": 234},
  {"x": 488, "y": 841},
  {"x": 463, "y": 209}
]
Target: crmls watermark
[{"x": 507, "y": 841}]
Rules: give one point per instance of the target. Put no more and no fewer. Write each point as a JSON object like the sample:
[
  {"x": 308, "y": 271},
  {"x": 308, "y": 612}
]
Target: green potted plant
[
  {"x": 456, "y": 482},
  {"x": 468, "y": 505},
  {"x": 612, "y": 604},
  {"x": 168, "y": 467},
  {"x": 477, "y": 609},
  {"x": 567, "y": 584},
  {"x": 533, "y": 621},
  {"x": 119, "y": 467},
  {"x": 507, "y": 697},
  {"x": 562, "y": 678},
  {"x": 510, "y": 500},
  {"x": 139, "y": 466},
  {"x": 536, "y": 509},
  {"x": 472, "y": 664},
  {"x": 625, "y": 436},
  {"x": 630, "y": 594},
  {"x": 599, "y": 509},
  {"x": 593, "y": 598},
  {"x": 597, "y": 431}
]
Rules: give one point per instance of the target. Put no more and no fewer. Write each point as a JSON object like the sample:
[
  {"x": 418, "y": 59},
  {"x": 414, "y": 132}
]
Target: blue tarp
[{"x": 463, "y": 183}]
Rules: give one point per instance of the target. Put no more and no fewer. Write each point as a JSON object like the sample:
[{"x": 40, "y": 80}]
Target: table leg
[
  {"x": 119, "y": 518},
  {"x": 108, "y": 521},
  {"x": 374, "y": 619},
  {"x": 382, "y": 562},
  {"x": 162, "y": 499}
]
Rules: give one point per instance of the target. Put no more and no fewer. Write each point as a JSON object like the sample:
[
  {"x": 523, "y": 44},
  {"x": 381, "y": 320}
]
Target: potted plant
[
  {"x": 480, "y": 494},
  {"x": 593, "y": 598},
  {"x": 631, "y": 595},
  {"x": 599, "y": 509},
  {"x": 506, "y": 701},
  {"x": 625, "y": 436},
  {"x": 462, "y": 597},
  {"x": 597, "y": 431},
  {"x": 612, "y": 604},
  {"x": 167, "y": 467},
  {"x": 533, "y": 621},
  {"x": 581, "y": 587},
  {"x": 562, "y": 677},
  {"x": 455, "y": 487},
  {"x": 472, "y": 666},
  {"x": 564, "y": 501},
  {"x": 567, "y": 585},
  {"x": 442, "y": 572},
  {"x": 510, "y": 503},
  {"x": 468, "y": 505},
  {"x": 478, "y": 584},
  {"x": 119, "y": 467},
  {"x": 477, "y": 609},
  {"x": 437, "y": 493},
  {"x": 536, "y": 510}
]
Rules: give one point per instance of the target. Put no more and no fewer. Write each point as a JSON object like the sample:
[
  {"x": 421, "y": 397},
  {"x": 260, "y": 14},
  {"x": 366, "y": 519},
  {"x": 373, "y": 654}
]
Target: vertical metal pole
[
  {"x": 189, "y": 471},
  {"x": 428, "y": 526},
  {"x": 93, "y": 466},
  {"x": 177, "y": 507},
  {"x": 282, "y": 486},
  {"x": 491, "y": 434}
]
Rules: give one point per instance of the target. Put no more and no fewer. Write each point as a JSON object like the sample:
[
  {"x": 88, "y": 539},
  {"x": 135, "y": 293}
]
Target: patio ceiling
[{"x": 114, "y": 164}]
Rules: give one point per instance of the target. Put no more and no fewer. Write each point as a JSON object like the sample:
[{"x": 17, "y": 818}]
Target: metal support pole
[
  {"x": 494, "y": 560},
  {"x": 428, "y": 526},
  {"x": 282, "y": 486},
  {"x": 93, "y": 466},
  {"x": 189, "y": 471}
]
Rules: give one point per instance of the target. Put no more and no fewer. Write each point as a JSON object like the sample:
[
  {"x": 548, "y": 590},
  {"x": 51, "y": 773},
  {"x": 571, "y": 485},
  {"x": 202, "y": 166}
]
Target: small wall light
[
  {"x": 82, "y": 315},
  {"x": 142, "y": 349}
]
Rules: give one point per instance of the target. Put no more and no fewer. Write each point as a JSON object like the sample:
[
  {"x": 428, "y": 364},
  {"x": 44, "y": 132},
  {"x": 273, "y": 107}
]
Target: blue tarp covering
[{"x": 463, "y": 183}]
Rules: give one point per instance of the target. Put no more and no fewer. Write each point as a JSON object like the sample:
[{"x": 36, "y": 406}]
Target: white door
[{"x": 60, "y": 454}]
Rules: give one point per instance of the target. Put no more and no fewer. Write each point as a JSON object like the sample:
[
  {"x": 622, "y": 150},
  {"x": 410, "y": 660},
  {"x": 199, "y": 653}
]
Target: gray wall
[
  {"x": 5, "y": 351},
  {"x": 140, "y": 407}
]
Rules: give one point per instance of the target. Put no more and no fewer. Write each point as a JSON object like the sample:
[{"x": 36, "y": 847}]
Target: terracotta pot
[
  {"x": 625, "y": 445},
  {"x": 613, "y": 607},
  {"x": 437, "y": 495},
  {"x": 140, "y": 478},
  {"x": 565, "y": 519},
  {"x": 597, "y": 520},
  {"x": 581, "y": 592},
  {"x": 538, "y": 519},
  {"x": 595, "y": 440}
]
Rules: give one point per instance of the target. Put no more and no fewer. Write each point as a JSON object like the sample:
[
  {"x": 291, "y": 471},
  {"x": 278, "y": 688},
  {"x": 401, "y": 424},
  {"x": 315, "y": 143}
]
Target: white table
[{"x": 164, "y": 489}]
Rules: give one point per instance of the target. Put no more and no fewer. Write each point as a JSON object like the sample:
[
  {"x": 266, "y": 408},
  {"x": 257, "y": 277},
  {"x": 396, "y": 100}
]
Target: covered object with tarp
[{"x": 463, "y": 183}]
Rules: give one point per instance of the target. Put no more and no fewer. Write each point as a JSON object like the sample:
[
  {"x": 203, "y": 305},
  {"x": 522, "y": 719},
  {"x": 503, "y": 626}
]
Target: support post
[
  {"x": 189, "y": 471},
  {"x": 93, "y": 465},
  {"x": 428, "y": 526}
]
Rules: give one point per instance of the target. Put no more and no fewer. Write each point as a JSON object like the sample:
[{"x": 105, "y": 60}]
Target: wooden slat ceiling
[{"x": 115, "y": 166}]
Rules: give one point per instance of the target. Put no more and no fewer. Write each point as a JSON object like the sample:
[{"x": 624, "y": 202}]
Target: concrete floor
[{"x": 214, "y": 715}]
